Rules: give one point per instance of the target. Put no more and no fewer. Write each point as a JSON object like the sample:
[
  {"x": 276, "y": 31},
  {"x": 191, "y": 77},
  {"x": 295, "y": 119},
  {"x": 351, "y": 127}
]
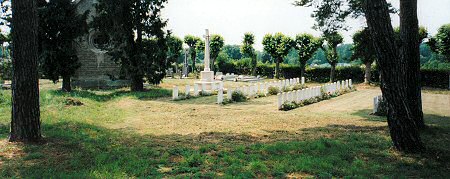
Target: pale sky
[{"x": 232, "y": 18}]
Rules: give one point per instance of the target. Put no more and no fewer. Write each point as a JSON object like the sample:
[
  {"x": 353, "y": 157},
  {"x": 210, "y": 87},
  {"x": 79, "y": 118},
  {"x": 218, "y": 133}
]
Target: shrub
[
  {"x": 238, "y": 96},
  {"x": 287, "y": 106},
  {"x": 273, "y": 90},
  {"x": 299, "y": 87}
]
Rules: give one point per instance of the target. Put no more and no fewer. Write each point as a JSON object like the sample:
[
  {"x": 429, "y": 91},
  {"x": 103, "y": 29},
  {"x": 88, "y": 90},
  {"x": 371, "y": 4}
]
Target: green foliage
[
  {"x": 441, "y": 42},
  {"x": 248, "y": 50},
  {"x": 278, "y": 46},
  {"x": 238, "y": 96},
  {"x": 273, "y": 90},
  {"x": 59, "y": 26},
  {"x": 127, "y": 23},
  {"x": 333, "y": 40},
  {"x": 216, "y": 45},
  {"x": 306, "y": 45},
  {"x": 233, "y": 51},
  {"x": 175, "y": 48},
  {"x": 5, "y": 69},
  {"x": 363, "y": 48}
]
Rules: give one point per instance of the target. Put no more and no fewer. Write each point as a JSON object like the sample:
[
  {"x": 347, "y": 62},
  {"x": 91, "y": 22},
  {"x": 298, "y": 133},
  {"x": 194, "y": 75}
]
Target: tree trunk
[
  {"x": 410, "y": 54},
  {"x": 277, "y": 68},
  {"x": 137, "y": 83},
  {"x": 403, "y": 129},
  {"x": 368, "y": 72},
  {"x": 66, "y": 84},
  {"x": 333, "y": 72},
  {"x": 25, "y": 118},
  {"x": 254, "y": 65},
  {"x": 302, "y": 69}
]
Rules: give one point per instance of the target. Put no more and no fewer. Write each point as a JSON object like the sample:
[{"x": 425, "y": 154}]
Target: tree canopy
[
  {"x": 441, "y": 42},
  {"x": 59, "y": 26},
  {"x": 278, "y": 46},
  {"x": 248, "y": 50},
  {"x": 127, "y": 23},
  {"x": 306, "y": 46}
]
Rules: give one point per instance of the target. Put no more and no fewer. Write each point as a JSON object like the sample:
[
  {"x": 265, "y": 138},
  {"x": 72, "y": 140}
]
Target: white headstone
[
  {"x": 230, "y": 94},
  {"x": 195, "y": 89},
  {"x": 175, "y": 93},
  {"x": 220, "y": 96},
  {"x": 350, "y": 83},
  {"x": 203, "y": 87},
  {"x": 280, "y": 100},
  {"x": 303, "y": 80},
  {"x": 188, "y": 90}
]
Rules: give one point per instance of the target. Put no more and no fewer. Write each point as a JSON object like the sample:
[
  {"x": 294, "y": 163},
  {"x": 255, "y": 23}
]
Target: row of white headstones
[
  {"x": 260, "y": 88},
  {"x": 313, "y": 92},
  {"x": 197, "y": 90},
  {"x": 249, "y": 91}
]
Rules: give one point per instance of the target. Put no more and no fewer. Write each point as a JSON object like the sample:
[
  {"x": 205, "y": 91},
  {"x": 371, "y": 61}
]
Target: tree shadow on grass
[
  {"x": 108, "y": 95},
  {"x": 80, "y": 150}
]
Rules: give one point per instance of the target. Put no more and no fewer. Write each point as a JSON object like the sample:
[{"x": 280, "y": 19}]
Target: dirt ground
[{"x": 258, "y": 116}]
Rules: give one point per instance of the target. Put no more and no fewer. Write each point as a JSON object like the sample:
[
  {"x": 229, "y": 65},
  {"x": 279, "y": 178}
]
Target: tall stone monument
[{"x": 207, "y": 76}]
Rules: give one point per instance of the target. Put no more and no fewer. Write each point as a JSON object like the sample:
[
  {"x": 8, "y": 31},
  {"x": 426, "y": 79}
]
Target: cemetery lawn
[{"x": 122, "y": 134}]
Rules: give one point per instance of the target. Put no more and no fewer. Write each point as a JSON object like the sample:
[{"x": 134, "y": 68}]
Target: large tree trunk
[
  {"x": 25, "y": 119},
  {"x": 403, "y": 129},
  {"x": 410, "y": 54},
  {"x": 277, "y": 68},
  {"x": 368, "y": 72},
  {"x": 333, "y": 72},
  {"x": 137, "y": 83},
  {"x": 66, "y": 84}
]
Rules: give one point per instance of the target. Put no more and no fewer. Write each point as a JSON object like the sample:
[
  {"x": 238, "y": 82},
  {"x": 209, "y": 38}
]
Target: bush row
[{"x": 437, "y": 78}]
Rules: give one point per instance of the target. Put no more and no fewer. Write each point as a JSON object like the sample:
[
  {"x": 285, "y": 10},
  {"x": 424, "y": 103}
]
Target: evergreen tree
[
  {"x": 59, "y": 26},
  {"x": 127, "y": 23}
]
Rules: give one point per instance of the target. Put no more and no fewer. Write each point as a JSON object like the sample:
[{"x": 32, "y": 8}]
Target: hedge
[{"x": 430, "y": 77}]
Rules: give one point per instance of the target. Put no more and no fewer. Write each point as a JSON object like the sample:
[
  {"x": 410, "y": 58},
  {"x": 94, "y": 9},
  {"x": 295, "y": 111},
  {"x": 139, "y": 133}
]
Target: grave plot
[{"x": 298, "y": 98}]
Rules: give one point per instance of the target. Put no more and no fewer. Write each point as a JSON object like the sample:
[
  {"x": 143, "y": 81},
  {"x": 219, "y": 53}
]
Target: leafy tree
[
  {"x": 333, "y": 40},
  {"x": 364, "y": 50},
  {"x": 127, "y": 23},
  {"x": 192, "y": 41},
  {"x": 248, "y": 50},
  {"x": 216, "y": 45},
  {"x": 175, "y": 49},
  {"x": 59, "y": 26},
  {"x": 441, "y": 42},
  {"x": 306, "y": 46},
  {"x": 233, "y": 51},
  {"x": 278, "y": 47},
  {"x": 25, "y": 118}
]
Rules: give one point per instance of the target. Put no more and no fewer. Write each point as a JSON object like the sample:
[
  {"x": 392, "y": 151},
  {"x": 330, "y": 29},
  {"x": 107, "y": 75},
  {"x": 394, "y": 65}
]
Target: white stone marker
[
  {"x": 195, "y": 89},
  {"x": 350, "y": 83},
  {"x": 280, "y": 100},
  {"x": 289, "y": 96},
  {"x": 203, "y": 88},
  {"x": 175, "y": 93},
  {"x": 303, "y": 80},
  {"x": 220, "y": 96},
  {"x": 213, "y": 87},
  {"x": 221, "y": 85},
  {"x": 230, "y": 94},
  {"x": 188, "y": 90},
  {"x": 376, "y": 102},
  {"x": 298, "y": 96},
  {"x": 285, "y": 99}
]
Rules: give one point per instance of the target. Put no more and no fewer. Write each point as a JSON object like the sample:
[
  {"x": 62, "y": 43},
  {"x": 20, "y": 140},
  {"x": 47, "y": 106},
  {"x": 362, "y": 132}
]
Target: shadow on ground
[
  {"x": 79, "y": 150},
  {"x": 108, "y": 95}
]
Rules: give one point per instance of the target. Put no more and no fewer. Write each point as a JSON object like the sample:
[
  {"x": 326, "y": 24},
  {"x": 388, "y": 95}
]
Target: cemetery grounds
[{"x": 122, "y": 134}]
